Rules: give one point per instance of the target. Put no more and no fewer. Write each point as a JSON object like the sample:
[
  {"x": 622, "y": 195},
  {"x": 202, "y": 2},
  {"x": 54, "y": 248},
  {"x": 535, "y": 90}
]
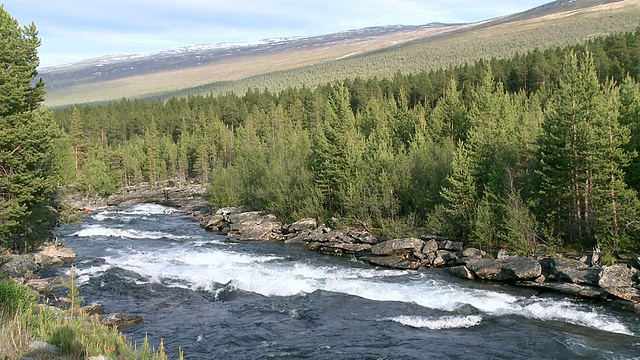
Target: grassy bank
[{"x": 75, "y": 335}]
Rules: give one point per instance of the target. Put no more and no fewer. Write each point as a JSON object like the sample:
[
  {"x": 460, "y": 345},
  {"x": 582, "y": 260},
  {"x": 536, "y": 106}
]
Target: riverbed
[{"x": 216, "y": 298}]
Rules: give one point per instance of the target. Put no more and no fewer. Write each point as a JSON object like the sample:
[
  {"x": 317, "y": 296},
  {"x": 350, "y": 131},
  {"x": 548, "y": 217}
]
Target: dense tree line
[
  {"x": 530, "y": 152},
  {"x": 27, "y": 138},
  {"x": 535, "y": 151}
]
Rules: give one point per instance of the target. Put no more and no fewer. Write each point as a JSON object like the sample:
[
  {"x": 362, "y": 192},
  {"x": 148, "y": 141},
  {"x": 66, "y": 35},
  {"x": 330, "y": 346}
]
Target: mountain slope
[{"x": 381, "y": 51}]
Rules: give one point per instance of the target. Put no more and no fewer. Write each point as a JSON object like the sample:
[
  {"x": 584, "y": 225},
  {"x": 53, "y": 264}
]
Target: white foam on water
[
  {"x": 141, "y": 211},
  {"x": 149, "y": 209},
  {"x": 195, "y": 266},
  {"x": 201, "y": 243},
  {"x": 433, "y": 323},
  {"x": 103, "y": 231},
  {"x": 564, "y": 310},
  {"x": 84, "y": 275},
  {"x": 272, "y": 276}
]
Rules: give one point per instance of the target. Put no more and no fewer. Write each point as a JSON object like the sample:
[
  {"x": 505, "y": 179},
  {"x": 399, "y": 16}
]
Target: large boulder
[
  {"x": 450, "y": 245},
  {"x": 397, "y": 246},
  {"x": 573, "y": 271},
  {"x": 363, "y": 237},
  {"x": 214, "y": 222},
  {"x": 430, "y": 246},
  {"x": 253, "y": 225},
  {"x": 394, "y": 262},
  {"x": 53, "y": 254},
  {"x": 23, "y": 266},
  {"x": 300, "y": 225},
  {"x": 461, "y": 272},
  {"x": 617, "y": 276},
  {"x": 510, "y": 269},
  {"x": 473, "y": 253},
  {"x": 337, "y": 248},
  {"x": 583, "y": 291},
  {"x": 618, "y": 280}
]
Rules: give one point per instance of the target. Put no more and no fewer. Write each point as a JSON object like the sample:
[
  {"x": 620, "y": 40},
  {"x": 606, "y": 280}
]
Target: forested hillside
[{"x": 530, "y": 153}]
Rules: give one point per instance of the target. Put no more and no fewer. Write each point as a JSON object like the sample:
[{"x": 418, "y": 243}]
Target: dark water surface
[{"x": 218, "y": 299}]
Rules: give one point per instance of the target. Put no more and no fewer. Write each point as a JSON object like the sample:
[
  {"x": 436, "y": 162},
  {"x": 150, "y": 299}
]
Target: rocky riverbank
[{"x": 581, "y": 276}]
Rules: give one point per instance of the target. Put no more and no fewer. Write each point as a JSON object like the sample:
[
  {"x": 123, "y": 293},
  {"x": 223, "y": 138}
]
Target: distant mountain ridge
[
  {"x": 117, "y": 66},
  {"x": 376, "y": 51}
]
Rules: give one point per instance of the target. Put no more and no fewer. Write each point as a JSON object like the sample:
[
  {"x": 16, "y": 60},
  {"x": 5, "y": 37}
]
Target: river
[{"x": 219, "y": 299}]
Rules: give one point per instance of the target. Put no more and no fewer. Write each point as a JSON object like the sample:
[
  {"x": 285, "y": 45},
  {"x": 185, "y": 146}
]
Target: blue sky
[{"x": 72, "y": 30}]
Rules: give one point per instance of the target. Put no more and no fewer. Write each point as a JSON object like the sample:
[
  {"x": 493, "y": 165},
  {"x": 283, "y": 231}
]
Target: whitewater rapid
[{"x": 204, "y": 265}]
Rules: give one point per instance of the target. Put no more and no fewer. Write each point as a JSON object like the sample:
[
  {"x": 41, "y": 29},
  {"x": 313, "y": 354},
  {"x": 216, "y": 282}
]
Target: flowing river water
[{"x": 219, "y": 299}]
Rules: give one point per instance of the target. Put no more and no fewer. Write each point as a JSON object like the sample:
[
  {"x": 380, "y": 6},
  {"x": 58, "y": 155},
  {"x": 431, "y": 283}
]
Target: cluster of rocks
[
  {"x": 580, "y": 277},
  {"x": 25, "y": 267},
  {"x": 189, "y": 198}
]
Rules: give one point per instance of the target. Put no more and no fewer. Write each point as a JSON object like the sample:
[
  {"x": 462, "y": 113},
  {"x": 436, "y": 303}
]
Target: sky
[{"x": 73, "y": 30}]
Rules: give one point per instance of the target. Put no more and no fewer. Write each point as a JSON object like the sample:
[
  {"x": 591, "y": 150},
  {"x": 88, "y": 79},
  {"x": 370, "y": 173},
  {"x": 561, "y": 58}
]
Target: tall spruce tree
[
  {"x": 337, "y": 148},
  {"x": 581, "y": 159},
  {"x": 26, "y": 138}
]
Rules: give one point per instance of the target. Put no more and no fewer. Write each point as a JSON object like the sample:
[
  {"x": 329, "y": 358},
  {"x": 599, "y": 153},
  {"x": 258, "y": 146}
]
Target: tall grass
[{"x": 75, "y": 334}]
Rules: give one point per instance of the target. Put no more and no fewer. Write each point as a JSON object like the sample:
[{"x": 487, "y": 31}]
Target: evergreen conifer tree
[{"x": 26, "y": 138}]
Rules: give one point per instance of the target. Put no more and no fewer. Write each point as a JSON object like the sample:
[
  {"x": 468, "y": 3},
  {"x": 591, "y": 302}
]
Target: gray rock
[
  {"x": 337, "y": 248},
  {"x": 618, "y": 280},
  {"x": 300, "y": 225},
  {"x": 120, "y": 320},
  {"x": 363, "y": 237},
  {"x": 583, "y": 291},
  {"x": 53, "y": 254},
  {"x": 450, "y": 245},
  {"x": 515, "y": 268},
  {"x": 214, "y": 222},
  {"x": 473, "y": 253},
  {"x": 438, "y": 261},
  {"x": 505, "y": 254},
  {"x": 19, "y": 266},
  {"x": 618, "y": 275},
  {"x": 93, "y": 309},
  {"x": 461, "y": 272},
  {"x": 625, "y": 292},
  {"x": 447, "y": 256},
  {"x": 627, "y": 256},
  {"x": 44, "y": 347},
  {"x": 428, "y": 237},
  {"x": 253, "y": 225},
  {"x": 44, "y": 285},
  {"x": 573, "y": 271},
  {"x": 394, "y": 262},
  {"x": 230, "y": 210},
  {"x": 397, "y": 246},
  {"x": 430, "y": 246},
  {"x": 333, "y": 236},
  {"x": 428, "y": 259},
  {"x": 249, "y": 217}
]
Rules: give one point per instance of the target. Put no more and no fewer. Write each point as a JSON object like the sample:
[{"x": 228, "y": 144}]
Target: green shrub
[{"x": 14, "y": 296}]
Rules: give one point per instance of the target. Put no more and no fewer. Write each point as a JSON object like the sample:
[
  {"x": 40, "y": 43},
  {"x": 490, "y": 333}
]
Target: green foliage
[
  {"x": 27, "y": 135},
  {"x": 77, "y": 335},
  {"x": 582, "y": 159},
  {"x": 14, "y": 297}
]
